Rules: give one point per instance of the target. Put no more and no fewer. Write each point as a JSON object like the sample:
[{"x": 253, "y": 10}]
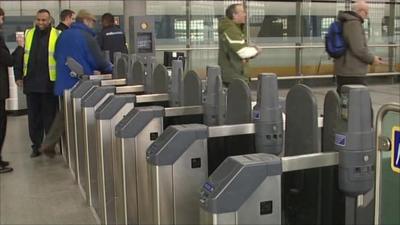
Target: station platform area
[{"x": 43, "y": 191}]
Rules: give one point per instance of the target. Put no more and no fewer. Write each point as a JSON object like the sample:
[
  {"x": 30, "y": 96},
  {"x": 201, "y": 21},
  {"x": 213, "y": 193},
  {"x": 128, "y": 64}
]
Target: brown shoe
[{"x": 48, "y": 150}]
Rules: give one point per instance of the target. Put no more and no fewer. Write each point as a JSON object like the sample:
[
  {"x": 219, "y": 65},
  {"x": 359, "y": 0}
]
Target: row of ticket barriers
[{"x": 160, "y": 147}]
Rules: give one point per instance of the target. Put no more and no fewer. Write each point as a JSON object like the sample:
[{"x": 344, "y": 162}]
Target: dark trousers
[
  {"x": 3, "y": 123},
  {"x": 42, "y": 108},
  {"x": 342, "y": 80},
  {"x": 57, "y": 128}
]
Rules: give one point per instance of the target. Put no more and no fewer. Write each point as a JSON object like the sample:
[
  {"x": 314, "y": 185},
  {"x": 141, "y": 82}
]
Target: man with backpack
[{"x": 351, "y": 66}]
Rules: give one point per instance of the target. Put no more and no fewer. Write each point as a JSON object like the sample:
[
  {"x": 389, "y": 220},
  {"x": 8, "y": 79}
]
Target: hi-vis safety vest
[{"x": 51, "y": 47}]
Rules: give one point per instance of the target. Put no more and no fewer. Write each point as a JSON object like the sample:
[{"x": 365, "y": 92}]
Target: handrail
[
  {"x": 302, "y": 76},
  {"x": 269, "y": 47},
  {"x": 391, "y": 107}
]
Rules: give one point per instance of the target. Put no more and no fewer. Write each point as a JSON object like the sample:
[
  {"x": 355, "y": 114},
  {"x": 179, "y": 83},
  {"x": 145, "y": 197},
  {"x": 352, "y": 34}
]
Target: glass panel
[
  {"x": 29, "y": 8},
  {"x": 384, "y": 53},
  {"x": 390, "y": 183},
  {"x": 170, "y": 22},
  {"x": 278, "y": 61},
  {"x": 272, "y": 24},
  {"x": 316, "y": 61},
  {"x": 203, "y": 58},
  {"x": 204, "y": 32}
]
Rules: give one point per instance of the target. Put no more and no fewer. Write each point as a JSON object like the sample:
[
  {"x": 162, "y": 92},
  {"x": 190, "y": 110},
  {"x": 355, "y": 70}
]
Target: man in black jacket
[
  {"x": 6, "y": 60},
  {"x": 111, "y": 38},
  {"x": 67, "y": 17},
  {"x": 37, "y": 76}
]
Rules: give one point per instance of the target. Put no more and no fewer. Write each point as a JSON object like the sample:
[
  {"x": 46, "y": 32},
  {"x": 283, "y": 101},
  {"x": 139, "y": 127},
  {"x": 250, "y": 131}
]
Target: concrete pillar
[{"x": 133, "y": 8}]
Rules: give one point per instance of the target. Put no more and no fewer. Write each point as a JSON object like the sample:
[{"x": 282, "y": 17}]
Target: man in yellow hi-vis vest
[{"x": 37, "y": 77}]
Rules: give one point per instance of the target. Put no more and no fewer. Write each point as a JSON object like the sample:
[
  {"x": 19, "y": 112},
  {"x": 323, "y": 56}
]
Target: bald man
[{"x": 352, "y": 67}]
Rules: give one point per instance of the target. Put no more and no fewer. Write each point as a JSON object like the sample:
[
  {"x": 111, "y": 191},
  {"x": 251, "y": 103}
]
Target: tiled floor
[{"x": 42, "y": 190}]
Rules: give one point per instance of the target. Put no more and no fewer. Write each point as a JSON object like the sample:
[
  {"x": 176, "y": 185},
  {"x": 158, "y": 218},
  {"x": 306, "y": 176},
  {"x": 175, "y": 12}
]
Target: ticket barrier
[
  {"x": 85, "y": 125},
  {"x": 123, "y": 64},
  {"x": 71, "y": 109},
  {"x": 67, "y": 104},
  {"x": 247, "y": 189},
  {"x": 99, "y": 166},
  {"x": 141, "y": 127},
  {"x": 180, "y": 157},
  {"x": 76, "y": 97}
]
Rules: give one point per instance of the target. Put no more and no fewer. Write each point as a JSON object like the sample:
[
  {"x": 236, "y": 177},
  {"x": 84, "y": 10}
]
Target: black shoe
[
  {"x": 5, "y": 169},
  {"x": 35, "y": 153},
  {"x": 4, "y": 163}
]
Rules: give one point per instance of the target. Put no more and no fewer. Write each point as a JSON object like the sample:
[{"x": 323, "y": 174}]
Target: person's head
[
  {"x": 237, "y": 13},
  {"x": 67, "y": 17},
  {"x": 1, "y": 17},
  {"x": 86, "y": 17},
  {"x": 43, "y": 19},
  {"x": 361, "y": 8},
  {"x": 107, "y": 20}
]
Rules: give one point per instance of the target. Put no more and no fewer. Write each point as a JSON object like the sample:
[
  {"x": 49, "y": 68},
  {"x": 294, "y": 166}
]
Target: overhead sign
[{"x": 396, "y": 149}]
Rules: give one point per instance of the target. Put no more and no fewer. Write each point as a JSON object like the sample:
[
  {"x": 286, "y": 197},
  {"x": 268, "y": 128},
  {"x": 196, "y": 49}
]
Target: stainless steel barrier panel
[
  {"x": 84, "y": 123},
  {"x": 107, "y": 115},
  {"x": 178, "y": 162},
  {"x": 68, "y": 113},
  {"x": 178, "y": 167},
  {"x": 81, "y": 90},
  {"x": 136, "y": 131},
  {"x": 247, "y": 189},
  {"x": 89, "y": 166},
  {"x": 138, "y": 127},
  {"x": 182, "y": 154}
]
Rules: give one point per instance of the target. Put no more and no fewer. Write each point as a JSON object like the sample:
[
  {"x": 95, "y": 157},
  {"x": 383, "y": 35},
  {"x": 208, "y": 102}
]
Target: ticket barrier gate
[
  {"x": 70, "y": 111},
  {"x": 98, "y": 164},
  {"x": 179, "y": 158},
  {"x": 141, "y": 127},
  {"x": 77, "y": 94},
  {"x": 247, "y": 189},
  {"x": 85, "y": 121},
  {"x": 137, "y": 74},
  {"x": 123, "y": 64}
]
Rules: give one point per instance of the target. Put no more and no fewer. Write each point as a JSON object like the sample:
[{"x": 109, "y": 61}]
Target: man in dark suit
[{"x": 6, "y": 60}]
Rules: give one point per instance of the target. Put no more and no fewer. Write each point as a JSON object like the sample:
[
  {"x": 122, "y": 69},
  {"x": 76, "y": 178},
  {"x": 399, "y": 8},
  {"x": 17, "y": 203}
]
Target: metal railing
[
  {"x": 298, "y": 47},
  {"x": 267, "y": 47}
]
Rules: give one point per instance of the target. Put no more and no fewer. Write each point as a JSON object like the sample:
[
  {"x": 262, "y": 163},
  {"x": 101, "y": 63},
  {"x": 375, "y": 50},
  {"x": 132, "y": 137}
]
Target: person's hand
[
  {"x": 378, "y": 61},
  {"x": 19, "y": 83}
]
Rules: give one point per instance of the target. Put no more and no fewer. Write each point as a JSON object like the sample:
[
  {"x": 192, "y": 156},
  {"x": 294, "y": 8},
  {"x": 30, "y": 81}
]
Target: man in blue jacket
[{"x": 79, "y": 43}]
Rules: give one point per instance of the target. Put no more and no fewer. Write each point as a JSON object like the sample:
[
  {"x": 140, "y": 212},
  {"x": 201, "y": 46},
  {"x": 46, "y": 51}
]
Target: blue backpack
[{"x": 335, "y": 45}]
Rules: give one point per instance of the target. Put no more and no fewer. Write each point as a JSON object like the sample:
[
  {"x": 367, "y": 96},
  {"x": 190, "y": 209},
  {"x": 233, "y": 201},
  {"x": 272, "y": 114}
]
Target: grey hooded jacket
[{"x": 357, "y": 57}]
